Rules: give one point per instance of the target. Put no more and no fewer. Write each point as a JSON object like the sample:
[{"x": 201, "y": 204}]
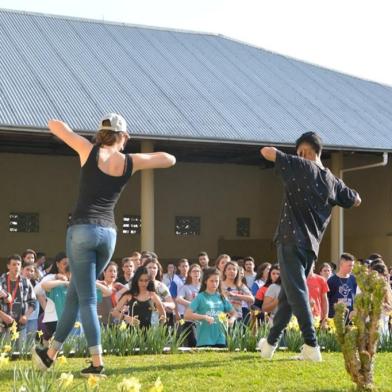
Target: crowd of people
[{"x": 193, "y": 296}]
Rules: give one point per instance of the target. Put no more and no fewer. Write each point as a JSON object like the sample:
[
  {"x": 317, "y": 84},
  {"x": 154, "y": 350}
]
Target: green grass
[{"x": 221, "y": 371}]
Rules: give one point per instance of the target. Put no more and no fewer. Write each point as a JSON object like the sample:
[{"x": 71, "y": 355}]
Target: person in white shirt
[
  {"x": 186, "y": 295},
  {"x": 250, "y": 274}
]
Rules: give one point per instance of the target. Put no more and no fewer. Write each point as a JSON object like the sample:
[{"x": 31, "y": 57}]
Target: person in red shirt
[{"x": 318, "y": 299}]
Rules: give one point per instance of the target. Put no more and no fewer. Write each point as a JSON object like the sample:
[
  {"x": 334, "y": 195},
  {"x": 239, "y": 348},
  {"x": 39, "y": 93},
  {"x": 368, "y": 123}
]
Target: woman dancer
[{"x": 91, "y": 236}]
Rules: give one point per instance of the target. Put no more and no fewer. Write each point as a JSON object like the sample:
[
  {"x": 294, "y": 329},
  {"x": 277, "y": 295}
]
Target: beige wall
[
  {"x": 218, "y": 193},
  {"x": 48, "y": 185}
]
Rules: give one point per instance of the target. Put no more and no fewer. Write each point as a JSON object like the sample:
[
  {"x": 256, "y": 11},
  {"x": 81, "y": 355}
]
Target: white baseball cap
[{"x": 117, "y": 123}]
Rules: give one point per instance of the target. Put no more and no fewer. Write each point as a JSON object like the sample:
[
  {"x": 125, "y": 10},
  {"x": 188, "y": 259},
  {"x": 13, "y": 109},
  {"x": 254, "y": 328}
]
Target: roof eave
[{"x": 178, "y": 138}]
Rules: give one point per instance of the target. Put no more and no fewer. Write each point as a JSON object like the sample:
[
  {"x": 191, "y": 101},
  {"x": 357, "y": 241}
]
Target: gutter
[{"x": 177, "y": 138}]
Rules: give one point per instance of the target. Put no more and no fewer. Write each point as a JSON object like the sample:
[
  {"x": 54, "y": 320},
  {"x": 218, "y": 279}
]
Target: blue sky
[{"x": 351, "y": 36}]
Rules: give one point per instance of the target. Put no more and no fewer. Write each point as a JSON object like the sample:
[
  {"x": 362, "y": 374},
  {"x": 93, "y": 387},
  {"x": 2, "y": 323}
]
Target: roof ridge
[
  {"x": 306, "y": 62},
  {"x": 103, "y": 21}
]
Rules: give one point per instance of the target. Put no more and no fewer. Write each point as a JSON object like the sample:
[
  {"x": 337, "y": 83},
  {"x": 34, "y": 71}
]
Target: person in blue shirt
[
  {"x": 342, "y": 285},
  {"x": 209, "y": 309}
]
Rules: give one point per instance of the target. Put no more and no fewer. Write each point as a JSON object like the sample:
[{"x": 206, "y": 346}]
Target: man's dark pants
[{"x": 295, "y": 264}]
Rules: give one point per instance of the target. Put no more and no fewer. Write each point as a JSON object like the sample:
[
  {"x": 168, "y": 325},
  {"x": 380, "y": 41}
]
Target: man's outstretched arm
[{"x": 358, "y": 200}]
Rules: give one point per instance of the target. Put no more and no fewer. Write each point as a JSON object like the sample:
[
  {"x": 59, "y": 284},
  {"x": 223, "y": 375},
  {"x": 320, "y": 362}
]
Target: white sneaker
[
  {"x": 309, "y": 353},
  {"x": 266, "y": 350}
]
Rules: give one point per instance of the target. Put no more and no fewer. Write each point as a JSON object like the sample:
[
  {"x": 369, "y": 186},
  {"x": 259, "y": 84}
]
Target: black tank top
[
  {"x": 99, "y": 192},
  {"x": 141, "y": 309}
]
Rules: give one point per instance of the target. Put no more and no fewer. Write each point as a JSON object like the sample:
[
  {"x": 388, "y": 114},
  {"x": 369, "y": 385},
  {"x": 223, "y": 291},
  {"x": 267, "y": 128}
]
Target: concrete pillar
[
  {"x": 337, "y": 230},
  {"x": 147, "y": 202}
]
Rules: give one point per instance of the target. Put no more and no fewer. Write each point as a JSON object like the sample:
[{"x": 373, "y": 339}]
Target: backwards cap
[{"x": 117, "y": 123}]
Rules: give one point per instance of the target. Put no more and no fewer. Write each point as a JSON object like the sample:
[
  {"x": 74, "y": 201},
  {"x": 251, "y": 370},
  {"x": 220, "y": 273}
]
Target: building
[{"x": 211, "y": 101}]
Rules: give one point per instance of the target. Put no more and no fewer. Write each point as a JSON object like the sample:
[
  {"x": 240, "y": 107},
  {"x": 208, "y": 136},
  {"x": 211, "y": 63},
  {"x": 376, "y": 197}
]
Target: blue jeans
[
  {"x": 32, "y": 326},
  {"x": 89, "y": 249},
  {"x": 295, "y": 264}
]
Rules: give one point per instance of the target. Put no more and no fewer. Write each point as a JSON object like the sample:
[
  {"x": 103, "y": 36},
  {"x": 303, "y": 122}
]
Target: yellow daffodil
[
  {"x": 331, "y": 325},
  {"x": 77, "y": 324},
  {"x": 14, "y": 327},
  {"x": 92, "y": 381},
  {"x": 40, "y": 333},
  {"x": 157, "y": 387},
  {"x": 293, "y": 324},
  {"x": 123, "y": 326},
  {"x": 222, "y": 317},
  {"x": 7, "y": 348},
  {"x": 316, "y": 322},
  {"x": 129, "y": 385},
  {"x": 14, "y": 336},
  {"x": 3, "y": 360},
  {"x": 62, "y": 360},
  {"x": 66, "y": 379}
]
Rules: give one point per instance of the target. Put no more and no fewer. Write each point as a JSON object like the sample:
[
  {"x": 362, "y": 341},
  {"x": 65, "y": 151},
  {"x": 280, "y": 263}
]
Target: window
[
  {"x": 131, "y": 224},
  {"x": 187, "y": 225},
  {"x": 23, "y": 222},
  {"x": 243, "y": 227}
]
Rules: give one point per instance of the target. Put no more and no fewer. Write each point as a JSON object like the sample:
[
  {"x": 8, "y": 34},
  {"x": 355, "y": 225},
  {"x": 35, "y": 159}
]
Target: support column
[
  {"x": 337, "y": 230},
  {"x": 147, "y": 202}
]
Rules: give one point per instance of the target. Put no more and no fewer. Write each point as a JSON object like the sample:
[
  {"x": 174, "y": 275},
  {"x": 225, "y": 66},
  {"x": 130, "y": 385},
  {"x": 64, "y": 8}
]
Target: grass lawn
[{"x": 220, "y": 371}]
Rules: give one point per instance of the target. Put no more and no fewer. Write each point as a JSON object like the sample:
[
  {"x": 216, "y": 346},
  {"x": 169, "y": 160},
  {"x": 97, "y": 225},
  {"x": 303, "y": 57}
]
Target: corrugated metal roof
[{"x": 179, "y": 85}]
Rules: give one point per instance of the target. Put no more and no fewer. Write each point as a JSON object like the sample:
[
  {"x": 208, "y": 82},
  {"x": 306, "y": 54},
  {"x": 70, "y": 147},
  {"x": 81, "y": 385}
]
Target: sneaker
[
  {"x": 266, "y": 350},
  {"x": 97, "y": 371},
  {"x": 309, "y": 353},
  {"x": 40, "y": 358}
]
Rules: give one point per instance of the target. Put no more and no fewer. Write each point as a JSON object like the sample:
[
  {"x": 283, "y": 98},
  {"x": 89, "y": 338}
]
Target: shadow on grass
[
  {"x": 351, "y": 389},
  {"x": 189, "y": 365},
  {"x": 167, "y": 366}
]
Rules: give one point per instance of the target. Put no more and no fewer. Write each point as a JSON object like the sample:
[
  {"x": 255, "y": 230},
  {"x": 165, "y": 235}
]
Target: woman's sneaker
[
  {"x": 40, "y": 358},
  {"x": 97, "y": 371}
]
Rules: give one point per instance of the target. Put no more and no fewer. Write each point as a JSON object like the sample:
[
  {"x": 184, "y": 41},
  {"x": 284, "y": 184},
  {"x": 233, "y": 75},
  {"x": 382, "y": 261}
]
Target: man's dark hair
[
  {"x": 203, "y": 254},
  {"x": 311, "y": 138},
  {"x": 179, "y": 262},
  {"x": 125, "y": 260},
  {"x": 14, "y": 257},
  {"x": 381, "y": 268},
  {"x": 376, "y": 261},
  {"x": 347, "y": 256},
  {"x": 249, "y": 258},
  {"x": 149, "y": 253},
  {"x": 375, "y": 256}
]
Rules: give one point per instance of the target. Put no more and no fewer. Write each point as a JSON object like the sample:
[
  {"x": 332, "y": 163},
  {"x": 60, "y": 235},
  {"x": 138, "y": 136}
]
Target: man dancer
[{"x": 310, "y": 192}]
